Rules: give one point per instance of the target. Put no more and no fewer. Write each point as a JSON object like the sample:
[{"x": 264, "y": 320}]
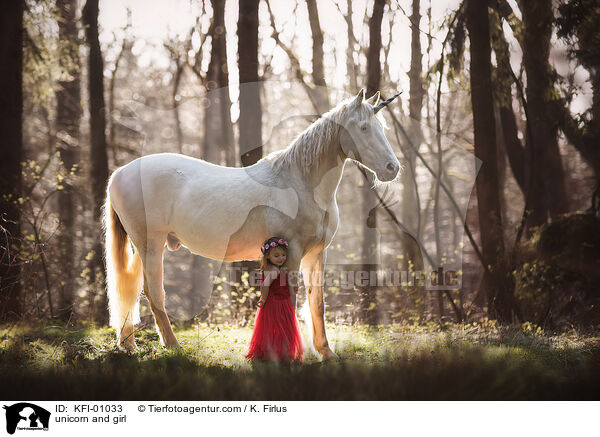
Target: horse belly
[
  {"x": 222, "y": 250},
  {"x": 223, "y": 235}
]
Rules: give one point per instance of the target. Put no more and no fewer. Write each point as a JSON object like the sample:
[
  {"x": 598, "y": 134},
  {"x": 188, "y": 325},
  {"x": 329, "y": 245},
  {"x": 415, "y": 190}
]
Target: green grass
[{"x": 394, "y": 362}]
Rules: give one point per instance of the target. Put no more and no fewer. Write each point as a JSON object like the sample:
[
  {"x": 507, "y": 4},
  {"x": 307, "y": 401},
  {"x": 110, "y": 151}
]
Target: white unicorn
[{"x": 226, "y": 213}]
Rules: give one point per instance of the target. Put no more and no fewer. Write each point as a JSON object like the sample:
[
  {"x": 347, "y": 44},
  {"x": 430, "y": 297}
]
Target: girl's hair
[{"x": 271, "y": 243}]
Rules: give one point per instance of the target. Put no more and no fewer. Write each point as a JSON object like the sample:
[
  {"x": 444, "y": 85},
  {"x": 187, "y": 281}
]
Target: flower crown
[{"x": 280, "y": 242}]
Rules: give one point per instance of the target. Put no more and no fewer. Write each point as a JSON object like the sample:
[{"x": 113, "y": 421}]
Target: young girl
[{"x": 276, "y": 333}]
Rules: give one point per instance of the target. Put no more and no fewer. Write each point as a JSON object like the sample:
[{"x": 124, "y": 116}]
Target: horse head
[{"x": 362, "y": 137}]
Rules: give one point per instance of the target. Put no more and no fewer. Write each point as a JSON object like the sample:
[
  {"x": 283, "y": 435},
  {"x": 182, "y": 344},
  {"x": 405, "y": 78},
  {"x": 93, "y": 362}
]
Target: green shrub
[{"x": 557, "y": 281}]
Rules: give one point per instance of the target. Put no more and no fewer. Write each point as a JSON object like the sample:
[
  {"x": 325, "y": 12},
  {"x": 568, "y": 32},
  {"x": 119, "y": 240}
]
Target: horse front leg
[
  {"x": 155, "y": 293},
  {"x": 312, "y": 271}
]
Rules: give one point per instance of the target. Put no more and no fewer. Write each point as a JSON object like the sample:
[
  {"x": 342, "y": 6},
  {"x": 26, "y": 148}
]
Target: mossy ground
[{"x": 394, "y": 362}]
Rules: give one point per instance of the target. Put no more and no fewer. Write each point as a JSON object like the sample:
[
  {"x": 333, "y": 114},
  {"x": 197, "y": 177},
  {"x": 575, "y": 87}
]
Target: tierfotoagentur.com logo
[
  {"x": 439, "y": 279},
  {"x": 27, "y": 417}
]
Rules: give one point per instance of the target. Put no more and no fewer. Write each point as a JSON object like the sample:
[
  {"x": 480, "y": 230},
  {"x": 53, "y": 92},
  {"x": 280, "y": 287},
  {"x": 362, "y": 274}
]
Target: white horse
[{"x": 226, "y": 213}]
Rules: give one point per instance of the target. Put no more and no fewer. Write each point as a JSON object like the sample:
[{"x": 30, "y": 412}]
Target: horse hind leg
[{"x": 155, "y": 293}]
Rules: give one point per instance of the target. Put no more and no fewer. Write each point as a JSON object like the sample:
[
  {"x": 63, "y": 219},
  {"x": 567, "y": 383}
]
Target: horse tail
[{"x": 124, "y": 274}]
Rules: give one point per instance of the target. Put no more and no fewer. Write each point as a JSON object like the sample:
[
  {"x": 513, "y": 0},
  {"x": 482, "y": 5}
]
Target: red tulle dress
[{"x": 276, "y": 335}]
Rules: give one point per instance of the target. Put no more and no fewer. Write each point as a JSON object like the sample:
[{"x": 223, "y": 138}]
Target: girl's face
[{"x": 277, "y": 256}]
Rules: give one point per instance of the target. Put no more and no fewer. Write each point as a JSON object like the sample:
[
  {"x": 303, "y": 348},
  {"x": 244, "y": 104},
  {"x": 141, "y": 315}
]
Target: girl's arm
[
  {"x": 264, "y": 293},
  {"x": 270, "y": 274}
]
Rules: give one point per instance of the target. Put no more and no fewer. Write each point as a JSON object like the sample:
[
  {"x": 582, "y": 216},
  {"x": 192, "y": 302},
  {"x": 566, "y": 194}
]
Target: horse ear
[
  {"x": 374, "y": 99},
  {"x": 360, "y": 97}
]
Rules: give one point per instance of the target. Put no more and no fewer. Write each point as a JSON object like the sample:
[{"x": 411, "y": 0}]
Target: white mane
[{"x": 306, "y": 150}]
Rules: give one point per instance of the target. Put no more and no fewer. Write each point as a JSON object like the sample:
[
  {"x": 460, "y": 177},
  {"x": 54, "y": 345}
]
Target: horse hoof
[
  {"x": 329, "y": 355},
  {"x": 128, "y": 347},
  {"x": 174, "y": 346}
]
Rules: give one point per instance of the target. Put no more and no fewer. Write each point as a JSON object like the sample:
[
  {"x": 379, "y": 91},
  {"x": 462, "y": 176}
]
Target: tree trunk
[
  {"x": 515, "y": 151},
  {"x": 11, "y": 155},
  {"x": 176, "y": 83},
  {"x": 218, "y": 129},
  {"x": 68, "y": 116},
  {"x": 351, "y": 67},
  {"x": 373, "y": 55},
  {"x": 369, "y": 200},
  {"x": 548, "y": 197},
  {"x": 413, "y": 259},
  {"x": 99, "y": 155},
  {"x": 488, "y": 197},
  {"x": 318, "y": 70},
  {"x": 250, "y": 122},
  {"x": 416, "y": 64}
]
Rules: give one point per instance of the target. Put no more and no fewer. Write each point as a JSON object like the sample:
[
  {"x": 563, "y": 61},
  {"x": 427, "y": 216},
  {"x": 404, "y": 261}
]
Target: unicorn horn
[{"x": 385, "y": 103}]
